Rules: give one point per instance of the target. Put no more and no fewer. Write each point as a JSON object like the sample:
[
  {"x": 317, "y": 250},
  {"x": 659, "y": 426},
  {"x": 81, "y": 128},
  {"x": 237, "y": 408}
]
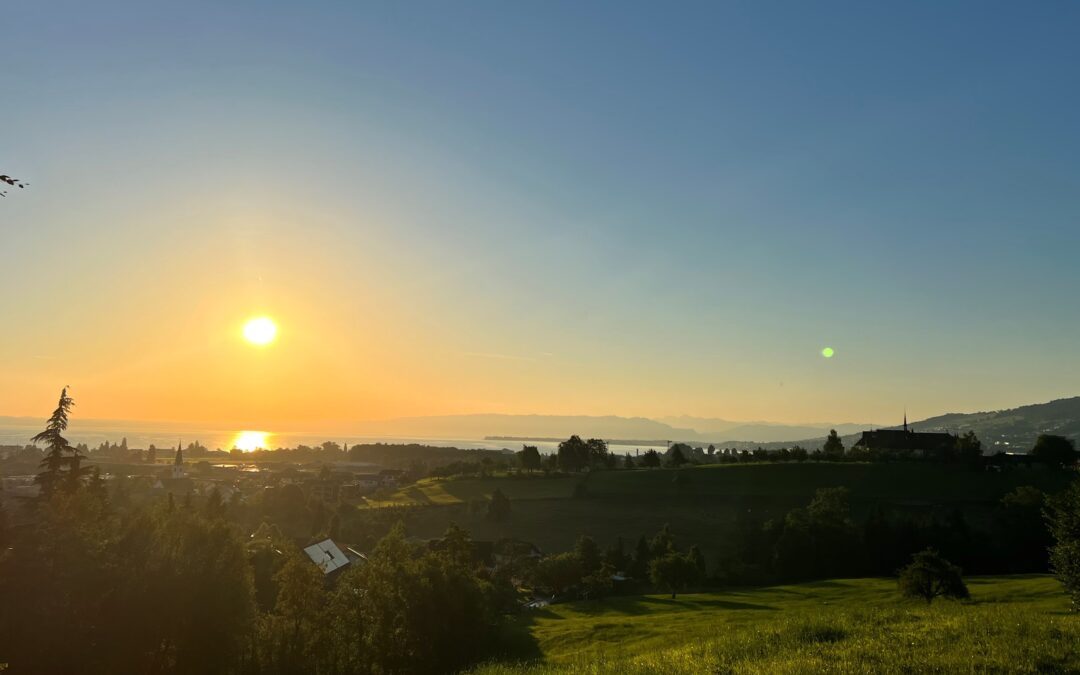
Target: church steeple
[
  {"x": 178, "y": 463},
  {"x": 905, "y": 419}
]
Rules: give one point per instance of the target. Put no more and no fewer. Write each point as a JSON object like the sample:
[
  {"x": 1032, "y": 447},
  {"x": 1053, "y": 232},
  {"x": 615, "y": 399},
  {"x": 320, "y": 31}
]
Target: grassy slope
[
  {"x": 852, "y": 625},
  {"x": 701, "y": 508}
]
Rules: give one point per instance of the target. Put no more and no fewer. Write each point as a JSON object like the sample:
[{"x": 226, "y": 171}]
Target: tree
[
  {"x": 598, "y": 452},
  {"x": 639, "y": 566},
  {"x": 573, "y": 454},
  {"x": 969, "y": 448},
  {"x": 1056, "y": 451},
  {"x": 616, "y": 556},
  {"x": 628, "y": 461},
  {"x": 498, "y": 508},
  {"x": 930, "y": 576},
  {"x": 676, "y": 457},
  {"x": 151, "y": 454},
  {"x": 558, "y": 573},
  {"x": 61, "y": 466},
  {"x": 673, "y": 571},
  {"x": 650, "y": 458},
  {"x": 529, "y": 456},
  {"x": 1062, "y": 515},
  {"x": 96, "y": 487},
  {"x": 598, "y": 583},
  {"x": 809, "y": 538},
  {"x": 410, "y": 611},
  {"x": 290, "y": 635},
  {"x": 834, "y": 447},
  {"x": 662, "y": 543},
  {"x": 589, "y": 553}
]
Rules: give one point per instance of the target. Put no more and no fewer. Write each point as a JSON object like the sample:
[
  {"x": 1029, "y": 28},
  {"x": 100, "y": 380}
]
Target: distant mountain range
[
  {"x": 999, "y": 430},
  {"x": 638, "y": 429}
]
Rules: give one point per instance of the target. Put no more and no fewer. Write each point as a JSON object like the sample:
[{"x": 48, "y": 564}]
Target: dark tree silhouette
[
  {"x": 969, "y": 448},
  {"x": 930, "y": 576},
  {"x": 833, "y": 447},
  {"x": 677, "y": 458},
  {"x": 529, "y": 457},
  {"x": 1056, "y": 451},
  {"x": 573, "y": 454},
  {"x": 62, "y": 468}
]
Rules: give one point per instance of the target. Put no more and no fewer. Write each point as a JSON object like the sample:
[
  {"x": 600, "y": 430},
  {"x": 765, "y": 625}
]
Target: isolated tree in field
[
  {"x": 834, "y": 447},
  {"x": 673, "y": 571},
  {"x": 930, "y": 576},
  {"x": 498, "y": 508},
  {"x": 62, "y": 468},
  {"x": 529, "y": 457},
  {"x": 1056, "y": 451},
  {"x": 1063, "y": 517}
]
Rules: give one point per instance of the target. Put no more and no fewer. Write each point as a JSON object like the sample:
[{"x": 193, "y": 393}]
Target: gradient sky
[{"x": 575, "y": 208}]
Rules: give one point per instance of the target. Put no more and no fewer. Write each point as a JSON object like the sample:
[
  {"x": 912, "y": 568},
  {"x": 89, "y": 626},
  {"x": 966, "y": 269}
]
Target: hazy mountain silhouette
[{"x": 1010, "y": 430}]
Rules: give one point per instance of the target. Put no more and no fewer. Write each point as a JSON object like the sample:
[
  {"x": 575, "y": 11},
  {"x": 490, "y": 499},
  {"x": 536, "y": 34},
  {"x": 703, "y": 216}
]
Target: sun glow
[
  {"x": 251, "y": 440},
  {"x": 260, "y": 331}
]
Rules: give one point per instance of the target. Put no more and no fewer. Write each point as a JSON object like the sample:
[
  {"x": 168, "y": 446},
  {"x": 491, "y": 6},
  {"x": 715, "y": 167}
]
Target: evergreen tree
[{"x": 61, "y": 466}]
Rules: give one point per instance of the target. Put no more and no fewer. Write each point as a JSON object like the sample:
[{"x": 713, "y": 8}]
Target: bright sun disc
[
  {"x": 249, "y": 441},
  {"x": 260, "y": 331}
]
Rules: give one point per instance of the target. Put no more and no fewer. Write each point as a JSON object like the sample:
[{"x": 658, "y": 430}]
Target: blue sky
[{"x": 627, "y": 208}]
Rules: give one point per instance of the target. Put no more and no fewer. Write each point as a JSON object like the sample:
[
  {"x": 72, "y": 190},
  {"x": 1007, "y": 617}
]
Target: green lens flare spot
[{"x": 827, "y": 352}]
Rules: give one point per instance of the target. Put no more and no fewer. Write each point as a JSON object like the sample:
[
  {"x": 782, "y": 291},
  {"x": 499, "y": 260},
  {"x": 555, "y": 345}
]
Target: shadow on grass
[
  {"x": 640, "y": 605},
  {"x": 418, "y": 495},
  {"x": 516, "y": 642}
]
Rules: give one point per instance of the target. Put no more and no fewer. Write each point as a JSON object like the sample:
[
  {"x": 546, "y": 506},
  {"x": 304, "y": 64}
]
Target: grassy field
[
  {"x": 700, "y": 503},
  {"x": 1011, "y": 624}
]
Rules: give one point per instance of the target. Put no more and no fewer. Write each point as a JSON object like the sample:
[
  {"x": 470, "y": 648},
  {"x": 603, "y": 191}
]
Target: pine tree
[{"x": 59, "y": 455}]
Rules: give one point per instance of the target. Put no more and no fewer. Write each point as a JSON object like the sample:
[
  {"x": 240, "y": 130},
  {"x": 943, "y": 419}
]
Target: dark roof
[{"x": 904, "y": 439}]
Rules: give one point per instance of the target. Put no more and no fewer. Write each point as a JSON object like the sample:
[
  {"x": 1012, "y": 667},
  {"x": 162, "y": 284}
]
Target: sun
[
  {"x": 260, "y": 331},
  {"x": 249, "y": 441}
]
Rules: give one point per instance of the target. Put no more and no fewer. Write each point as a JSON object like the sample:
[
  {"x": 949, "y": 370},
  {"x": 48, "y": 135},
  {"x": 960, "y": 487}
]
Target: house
[
  {"x": 327, "y": 555},
  {"x": 907, "y": 441}
]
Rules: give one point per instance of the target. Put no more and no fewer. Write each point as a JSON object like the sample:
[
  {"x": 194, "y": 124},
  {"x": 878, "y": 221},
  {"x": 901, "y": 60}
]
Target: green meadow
[{"x": 1010, "y": 624}]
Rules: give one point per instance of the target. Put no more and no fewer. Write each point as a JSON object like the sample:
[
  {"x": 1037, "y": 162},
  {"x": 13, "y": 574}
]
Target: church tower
[{"x": 178, "y": 463}]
